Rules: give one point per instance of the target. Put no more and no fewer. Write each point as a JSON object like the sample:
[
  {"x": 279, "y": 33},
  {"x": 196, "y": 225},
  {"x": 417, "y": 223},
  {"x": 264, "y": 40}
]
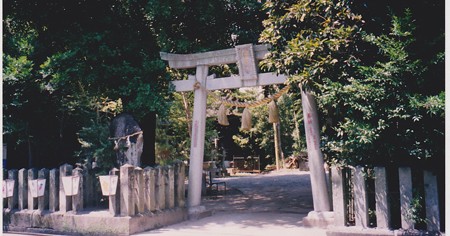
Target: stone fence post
[
  {"x": 179, "y": 184},
  {"x": 337, "y": 182},
  {"x": 406, "y": 196},
  {"x": 23, "y": 189},
  {"x": 361, "y": 198},
  {"x": 170, "y": 187},
  {"x": 126, "y": 190},
  {"x": 32, "y": 202},
  {"x": 431, "y": 201},
  {"x": 381, "y": 198},
  {"x": 54, "y": 181},
  {"x": 149, "y": 194},
  {"x": 138, "y": 190},
  {"x": 114, "y": 200},
  {"x": 65, "y": 202},
  {"x": 160, "y": 189},
  {"x": 43, "y": 201},
  {"x": 77, "y": 200},
  {"x": 12, "y": 201}
]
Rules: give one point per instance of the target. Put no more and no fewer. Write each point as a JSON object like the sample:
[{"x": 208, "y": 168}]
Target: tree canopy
[
  {"x": 375, "y": 67},
  {"x": 372, "y": 84}
]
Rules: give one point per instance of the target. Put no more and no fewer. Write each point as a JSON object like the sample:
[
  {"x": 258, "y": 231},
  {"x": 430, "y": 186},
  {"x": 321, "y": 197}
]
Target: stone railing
[
  {"x": 365, "y": 198},
  {"x": 138, "y": 190}
]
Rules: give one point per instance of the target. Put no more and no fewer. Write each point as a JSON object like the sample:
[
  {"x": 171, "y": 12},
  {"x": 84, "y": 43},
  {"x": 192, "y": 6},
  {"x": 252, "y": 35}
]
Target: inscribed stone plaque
[{"x": 246, "y": 62}]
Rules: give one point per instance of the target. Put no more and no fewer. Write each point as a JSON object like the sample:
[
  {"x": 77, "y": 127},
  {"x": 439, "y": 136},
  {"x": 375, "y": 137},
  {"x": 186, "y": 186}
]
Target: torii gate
[{"x": 246, "y": 56}]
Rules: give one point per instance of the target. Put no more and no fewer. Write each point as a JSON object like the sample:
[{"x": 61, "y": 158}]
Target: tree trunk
[
  {"x": 279, "y": 159},
  {"x": 188, "y": 113},
  {"x": 148, "y": 126}
]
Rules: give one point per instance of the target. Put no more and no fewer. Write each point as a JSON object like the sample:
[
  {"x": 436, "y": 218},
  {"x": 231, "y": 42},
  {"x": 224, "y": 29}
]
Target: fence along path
[
  {"x": 138, "y": 190},
  {"x": 382, "y": 206}
]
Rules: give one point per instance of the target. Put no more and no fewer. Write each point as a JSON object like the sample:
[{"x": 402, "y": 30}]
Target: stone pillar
[
  {"x": 53, "y": 203},
  {"x": 32, "y": 202},
  {"x": 431, "y": 201},
  {"x": 89, "y": 191},
  {"x": 381, "y": 198},
  {"x": 43, "y": 201},
  {"x": 360, "y": 198},
  {"x": 126, "y": 190},
  {"x": 339, "y": 206},
  {"x": 157, "y": 188},
  {"x": 77, "y": 200},
  {"x": 315, "y": 158},
  {"x": 198, "y": 139},
  {"x": 4, "y": 176},
  {"x": 23, "y": 189},
  {"x": 139, "y": 189},
  {"x": 12, "y": 201},
  {"x": 114, "y": 200},
  {"x": 150, "y": 182},
  {"x": 182, "y": 185},
  {"x": 65, "y": 202},
  {"x": 179, "y": 184},
  {"x": 170, "y": 188},
  {"x": 162, "y": 189},
  {"x": 406, "y": 196}
]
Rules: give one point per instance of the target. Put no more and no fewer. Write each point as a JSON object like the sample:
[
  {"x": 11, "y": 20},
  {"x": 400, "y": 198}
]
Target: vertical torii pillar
[
  {"x": 322, "y": 215},
  {"x": 198, "y": 139},
  {"x": 246, "y": 57}
]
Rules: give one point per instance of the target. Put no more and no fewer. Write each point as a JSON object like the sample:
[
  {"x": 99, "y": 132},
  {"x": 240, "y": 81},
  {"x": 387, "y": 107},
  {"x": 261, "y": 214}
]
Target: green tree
[
  {"x": 367, "y": 78},
  {"x": 78, "y": 53}
]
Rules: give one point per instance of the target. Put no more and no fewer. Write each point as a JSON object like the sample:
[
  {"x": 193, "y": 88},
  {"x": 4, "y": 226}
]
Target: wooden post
[{"x": 315, "y": 157}]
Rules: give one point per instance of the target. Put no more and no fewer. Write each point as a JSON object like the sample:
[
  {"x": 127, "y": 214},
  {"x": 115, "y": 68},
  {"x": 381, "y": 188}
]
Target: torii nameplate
[{"x": 245, "y": 56}]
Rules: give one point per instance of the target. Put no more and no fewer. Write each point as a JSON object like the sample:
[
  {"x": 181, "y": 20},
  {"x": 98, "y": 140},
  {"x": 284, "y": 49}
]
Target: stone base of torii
[{"x": 246, "y": 57}]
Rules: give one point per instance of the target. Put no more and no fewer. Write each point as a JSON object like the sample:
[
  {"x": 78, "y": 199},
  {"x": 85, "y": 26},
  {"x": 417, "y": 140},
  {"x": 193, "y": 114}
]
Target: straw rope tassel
[
  {"x": 246, "y": 122},
  {"x": 274, "y": 115},
  {"x": 222, "y": 116}
]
